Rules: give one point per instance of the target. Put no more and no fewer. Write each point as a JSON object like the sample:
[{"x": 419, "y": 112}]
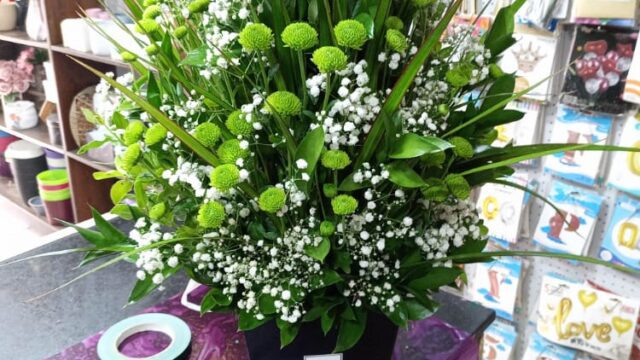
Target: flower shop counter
[{"x": 33, "y": 326}]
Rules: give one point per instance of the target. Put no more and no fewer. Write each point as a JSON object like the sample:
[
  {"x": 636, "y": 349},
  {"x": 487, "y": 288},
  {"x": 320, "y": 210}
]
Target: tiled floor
[{"x": 18, "y": 231}]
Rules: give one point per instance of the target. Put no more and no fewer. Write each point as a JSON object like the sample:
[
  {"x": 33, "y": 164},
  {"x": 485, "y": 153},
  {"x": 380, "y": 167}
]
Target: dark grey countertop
[{"x": 42, "y": 328}]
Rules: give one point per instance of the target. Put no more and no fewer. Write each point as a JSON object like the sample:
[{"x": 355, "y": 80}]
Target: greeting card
[
  {"x": 621, "y": 244},
  {"x": 523, "y": 131},
  {"x": 600, "y": 62},
  {"x": 500, "y": 207},
  {"x": 531, "y": 59},
  {"x": 575, "y": 127},
  {"x": 569, "y": 231},
  {"x": 632, "y": 87},
  {"x": 541, "y": 349},
  {"x": 625, "y": 167},
  {"x": 584, "y": 318},
  {"x": 496, "y": 286},
  {"x": 499, "y": 341}
]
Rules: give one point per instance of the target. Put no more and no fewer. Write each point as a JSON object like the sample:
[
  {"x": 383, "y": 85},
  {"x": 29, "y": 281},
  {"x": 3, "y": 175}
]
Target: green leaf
[
  {"x": 266, "y": 304},
  {"x": 123, "y": 211},
  {"x": 141, "y": 289},
  {"x": 92, "y": 145},
  {"x": 350, "y": 332},
  {"x": 319, "y": 252},
  {"x": 112, "y": 234},
  {"x": 119, "y": 121},
  {"x": 411, "y": 146},
  {"x": 502, "y": 117},
  {"x": 140, "y": 191},
  {"x": 248, "y": 322},
  {"x": 196, "y": 57},
  {"x": 214, "y": 299},
  {"x": 91, "y": 117},
  {"x": 501, "y": 90},
  {"x": 326, "y": 321},
  {"x": 404, "y": 82},
  {"x": 416, "y": 311},
  {"x": 103, "y": 175},
  {"x": 288, "y": 332},
  {"x": 309, "y": 150},
  {"x": 366, "y": 20},
  {"x": 399, "y": 316},
  {"x": 330, "y": 277},
  {"x": 500, "y": 36},
  {"x": 119, "y": 190},
  {"x": 486, "y": 176},
  {"x": 402, "y": 175},
  {"x": 91, "y": 236},
  {"x": 348, "y": 185},
  {"x": 153, "y": 92},
  {"x": 436, "y": 278}
]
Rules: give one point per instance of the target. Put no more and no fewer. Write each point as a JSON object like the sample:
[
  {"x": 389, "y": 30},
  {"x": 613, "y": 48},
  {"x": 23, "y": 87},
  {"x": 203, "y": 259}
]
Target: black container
[
  {"x": 377, "y": 342},
  {"x": 27, "y": 160}
]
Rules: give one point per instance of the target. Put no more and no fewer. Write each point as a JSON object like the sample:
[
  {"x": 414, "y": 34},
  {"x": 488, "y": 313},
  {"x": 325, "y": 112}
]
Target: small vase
[
  {"x": 19, "y": 114},
  {"x": 34, "y": 23},
  {"x": 8, "y": 16},
  {"x": 376, "y": 343}
]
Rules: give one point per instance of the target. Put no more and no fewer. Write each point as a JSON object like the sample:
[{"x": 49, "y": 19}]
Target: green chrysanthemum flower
[
  {"x": 351, "y": 34},
  {"x": 396, "y": 41},
  {"x": 128, "y": 56},
  {"x": 211, "y": 215},
  {"x": 256, "y": 37},
  {"x": 157, "y": 211},
  {"x": 130, "y": 157},
  {"x": 198, "y": 6},
  {"x": 327, "y": 228},
  {"x": 224, "y": 177},
  {"x": 180, "y": 32},
  {"x": 284, "y": 103},
  {"x": 329, "y": 59},
  {"x": 152, "y": 12},
  {"x": 462, "y": 147},
  {"x": 335, "y": 159},
  {"x": 133, "y": 132},
  {"x": 230, "y": 151},
  {"x": 344, "y": 205},
  {"x": 272, "y": 200},
  {"x": 422, "y": 3},
  {"x": 155, "y": 134},
  {"x": 147, "y": 3},
  {"x": 458, "y": 186},
  {"x": 330, "y": 190},
  {"x": 152, "y": 49},
  {"x": 208, "y": 134},
  {"x": 394, "y": 22},
  {"x": 300, "y": 36},
  {"x": 238, "y": 125},
  {"x": 147, "y": 26}
]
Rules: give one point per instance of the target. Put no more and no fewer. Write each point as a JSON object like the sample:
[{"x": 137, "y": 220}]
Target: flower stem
[
  {"x": 303, "y": 78},
  {"x": 327, "y": 93}
]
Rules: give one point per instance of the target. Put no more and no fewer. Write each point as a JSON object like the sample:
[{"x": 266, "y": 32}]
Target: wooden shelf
[
  {"x": 85, "y": 159},
  {"x": 88, "y": 56},
  {"x": 9, "y": 191},
  {"x": 20, "y": 37},
  {"x": 38, "y": 135}
]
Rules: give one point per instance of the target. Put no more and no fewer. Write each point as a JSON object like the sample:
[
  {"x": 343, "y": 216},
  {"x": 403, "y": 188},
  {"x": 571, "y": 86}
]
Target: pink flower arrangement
[{"x": 16, "y": 76}]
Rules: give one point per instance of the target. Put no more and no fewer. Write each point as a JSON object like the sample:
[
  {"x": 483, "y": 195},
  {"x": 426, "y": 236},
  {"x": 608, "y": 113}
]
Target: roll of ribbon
[{"x": 176, "y": 329}]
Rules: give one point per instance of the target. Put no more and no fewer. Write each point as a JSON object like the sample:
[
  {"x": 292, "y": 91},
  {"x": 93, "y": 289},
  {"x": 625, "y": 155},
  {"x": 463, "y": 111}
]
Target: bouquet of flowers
[
  {"x": 307, "y": 160},
  {"x": 16, "y": 76}
]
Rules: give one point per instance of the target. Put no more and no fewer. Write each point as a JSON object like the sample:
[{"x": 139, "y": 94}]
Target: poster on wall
[
  {"x": 568, "y": 232},
  {"x": 500, "y": 208},
  {"x": 600, "y": 61},
  {"x": 499, "y": 341},
  {"x": 496, "y": 285},
  {"x": 531, "y": 59},
  {"x": 576, "y": 127},
  {"x": 621, "y": 244},
  {"x": 625, "y": 167},
  {"x": 587, "y": 319}
]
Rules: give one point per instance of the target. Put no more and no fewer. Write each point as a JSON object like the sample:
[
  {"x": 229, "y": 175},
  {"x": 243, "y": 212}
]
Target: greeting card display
[
  {"x": 569, "y": 231},
  {"x": 523, "y": 131},
  {"x": 541, "y": 349},
  {"x": 625, "y": 167},
  {"x": 573, "y": 126},
  {"x": 496, "y": 286},
  {"x": 584, "y": 318},
  {"x": 632, "y": 87},
  {"x": 500, "y": 209},
  {"x": 499, "y": 341},
  {"x": 621, "y": 244},
  {"x": 600, "y": 62},
  {"x": 531, "y": 59}
]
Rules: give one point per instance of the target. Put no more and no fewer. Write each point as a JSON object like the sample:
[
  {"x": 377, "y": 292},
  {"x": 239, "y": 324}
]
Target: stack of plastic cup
[
  {"x": 56, "y": 195},
  {"x": 5, "y": 140},
  {"x": 55, "y": 160}
]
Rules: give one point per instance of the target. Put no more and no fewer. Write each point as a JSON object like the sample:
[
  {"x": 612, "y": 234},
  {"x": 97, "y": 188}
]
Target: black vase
[{"x": 376, "y": 343}]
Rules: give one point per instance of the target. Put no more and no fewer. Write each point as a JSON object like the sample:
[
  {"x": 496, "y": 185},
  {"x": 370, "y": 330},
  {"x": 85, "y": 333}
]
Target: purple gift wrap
[{"x": 215, "y": 337}]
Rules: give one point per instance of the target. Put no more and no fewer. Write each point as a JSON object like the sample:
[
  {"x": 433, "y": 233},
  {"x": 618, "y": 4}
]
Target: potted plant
[
  {"x": 309, "y": 161},
  {"x": 15, "y": 79}
]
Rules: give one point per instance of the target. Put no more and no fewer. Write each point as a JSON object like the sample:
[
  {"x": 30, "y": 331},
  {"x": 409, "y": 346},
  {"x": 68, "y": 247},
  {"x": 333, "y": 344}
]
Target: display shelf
[
  {"x": 85, "y": 159},
  {"x": 88, "y": 56},
  {"x": 21, "y": 37},
  {"x": 38, "y": 135},
  {"x": 9, "y": 191}
]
